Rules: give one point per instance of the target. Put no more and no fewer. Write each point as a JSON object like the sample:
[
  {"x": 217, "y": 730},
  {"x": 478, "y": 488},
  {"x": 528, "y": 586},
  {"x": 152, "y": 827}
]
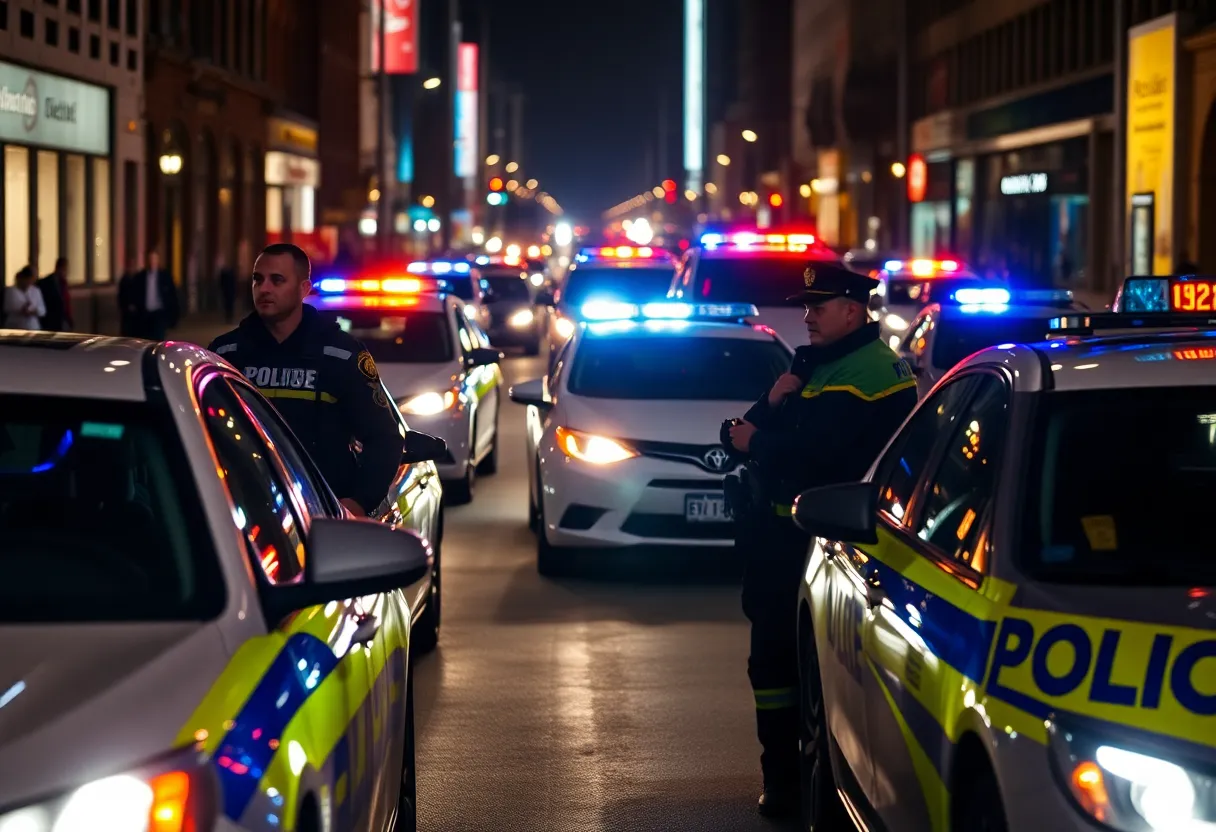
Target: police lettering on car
[{"x": 323, "y": 381}]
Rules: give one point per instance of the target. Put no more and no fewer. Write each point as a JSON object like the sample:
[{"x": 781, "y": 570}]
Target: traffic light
[
  {"x": 496, "y": 184},
  {"x": 669, "y": 190},
  {"x": 775, "y": 200}
]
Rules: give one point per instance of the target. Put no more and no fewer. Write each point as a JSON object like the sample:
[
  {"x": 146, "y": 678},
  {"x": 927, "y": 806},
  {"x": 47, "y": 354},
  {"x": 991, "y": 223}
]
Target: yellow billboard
[{"x": 1152, "y": 62}]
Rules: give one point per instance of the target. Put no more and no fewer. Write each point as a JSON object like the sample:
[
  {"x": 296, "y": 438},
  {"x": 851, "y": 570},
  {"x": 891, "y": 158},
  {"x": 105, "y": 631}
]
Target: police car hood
[
  {"x": 686, "y": 422},
  {"x": 82, "y": 701},
  {"x": 787, "y": 321},
  {"x": 404, "y": 380}
]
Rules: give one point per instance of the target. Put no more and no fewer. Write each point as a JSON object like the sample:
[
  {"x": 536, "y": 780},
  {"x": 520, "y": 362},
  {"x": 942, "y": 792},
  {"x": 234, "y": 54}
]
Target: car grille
[
  {"x": 675, "y": 527},
  {"x": 680, "y": 452}
]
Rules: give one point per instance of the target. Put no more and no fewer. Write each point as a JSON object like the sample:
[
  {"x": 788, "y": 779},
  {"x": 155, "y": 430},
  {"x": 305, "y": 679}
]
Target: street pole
[
  {"x": 383, "y": 205},
  {"x": 1118, "y": 200},
  {"x": 454, "y": 190},
  {"x": 901, "y": 129}
]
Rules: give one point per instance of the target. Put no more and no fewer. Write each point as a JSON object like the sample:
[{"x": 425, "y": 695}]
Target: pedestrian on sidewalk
[{"x": 23, "y": 304}]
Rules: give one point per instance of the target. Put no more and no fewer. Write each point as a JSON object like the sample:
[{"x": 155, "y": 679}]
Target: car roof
[
  {"x": 70, "y": 364},
  {"x": 424, "y": 302},
  {"x": 735, "y": 253},
  {"x": 663, "y": 330},
  {"x": 951, "y": 312},
  {"x": 1164, "y": 358}
]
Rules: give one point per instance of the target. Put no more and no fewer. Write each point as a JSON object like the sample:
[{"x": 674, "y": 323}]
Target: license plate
[{"x": 706, "y": 508}]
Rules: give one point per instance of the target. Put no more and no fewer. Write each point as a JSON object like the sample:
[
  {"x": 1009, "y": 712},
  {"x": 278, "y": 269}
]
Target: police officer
[
  {"x": 823, "y": 422},
  {"x": 323, "y": 381}
]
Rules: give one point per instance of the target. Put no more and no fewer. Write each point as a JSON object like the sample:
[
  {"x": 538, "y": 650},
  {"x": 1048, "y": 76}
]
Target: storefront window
[
  {"x": 306, "y": 213},
  {"x": 101, "y": 221},
  {"x": 16, "y": 211},
  {"x": 76, "y": 194},
  {"x": 930, "y": 229},
  {"x": 274, "y": 210},
  {"x": 48, "y": 211}
]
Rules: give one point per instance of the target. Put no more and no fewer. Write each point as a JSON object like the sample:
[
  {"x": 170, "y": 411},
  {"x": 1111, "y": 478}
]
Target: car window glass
[
  {"x": 964, "y": 483},
  {"x": 904, "y": 463},
  {"x": 262, "y": 511},
  {"x": 305, "y": 480},
  {"x": 477, "y": 335},
  {"x": 916, "y": 341}
]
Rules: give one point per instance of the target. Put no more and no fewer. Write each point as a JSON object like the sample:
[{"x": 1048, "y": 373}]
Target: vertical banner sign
[
  {"x": 400, "y": 36},
  {"x": 694, "y": 92},
  {"x": 1152, "y": 101},
  {"x": 466, "y": 111}
]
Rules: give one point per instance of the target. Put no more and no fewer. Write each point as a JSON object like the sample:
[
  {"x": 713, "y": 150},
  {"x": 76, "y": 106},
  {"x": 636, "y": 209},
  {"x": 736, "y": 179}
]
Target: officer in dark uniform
[
  {"x": 824, "y": 421},
  {"x": 323, "y": 381}
]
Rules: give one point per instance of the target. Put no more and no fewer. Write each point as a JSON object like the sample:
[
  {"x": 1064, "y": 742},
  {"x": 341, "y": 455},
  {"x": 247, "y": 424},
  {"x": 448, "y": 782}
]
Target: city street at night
[{"x": 615, "y": 701}]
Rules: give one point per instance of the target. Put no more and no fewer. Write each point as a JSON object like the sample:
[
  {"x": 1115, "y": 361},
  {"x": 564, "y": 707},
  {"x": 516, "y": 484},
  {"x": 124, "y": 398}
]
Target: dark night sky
[{"x": 593, "y": 74}]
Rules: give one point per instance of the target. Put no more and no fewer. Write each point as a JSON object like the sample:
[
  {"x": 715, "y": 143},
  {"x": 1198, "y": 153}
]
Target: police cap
[{"x": 824, "y": 281}]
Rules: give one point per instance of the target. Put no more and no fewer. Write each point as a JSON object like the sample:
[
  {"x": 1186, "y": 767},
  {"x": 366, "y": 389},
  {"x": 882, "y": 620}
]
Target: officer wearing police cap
[{"x": 823, "y": 422}]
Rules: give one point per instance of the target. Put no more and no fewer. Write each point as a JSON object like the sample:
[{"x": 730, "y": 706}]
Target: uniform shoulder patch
[{"x": 367, "y": 365}]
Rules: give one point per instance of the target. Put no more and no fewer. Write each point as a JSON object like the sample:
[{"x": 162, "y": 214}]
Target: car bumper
[
  {"x": 453, "y": 428},
  {"x": 638, "y": 502}
]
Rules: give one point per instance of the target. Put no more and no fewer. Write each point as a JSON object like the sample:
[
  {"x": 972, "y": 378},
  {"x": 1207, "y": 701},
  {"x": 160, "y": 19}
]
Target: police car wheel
[
  {"x": 980, "y": 808},
  {"x": 407, "y": 796},
  {"x": 821, "y": 806}
]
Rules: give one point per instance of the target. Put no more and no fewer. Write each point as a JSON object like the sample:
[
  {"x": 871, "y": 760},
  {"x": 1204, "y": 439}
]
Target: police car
[
  {"x": 907, "y": 286},
  {"x": 1011, "y": 623},
  {"x": 756, "y": 268},
  {"x": 436, "y": 362},
  {"x": 622, "y": 439},
  {"x": 194, "y": 635},
  {"x": 599, "y": 282},
  {"x": 972, "y": 318},
  {"x": 513, "y": 319},
  {"x": 458, "y": 278}
]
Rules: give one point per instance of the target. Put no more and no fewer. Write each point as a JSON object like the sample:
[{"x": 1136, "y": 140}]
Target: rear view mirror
[
  {"x": 530, "y": 393},
  {"x": 422, "y": 447},
  {"x": 846, "y": 512},
  {"x": 350, "y": 559},
  {"x": 483, "y": 357}
]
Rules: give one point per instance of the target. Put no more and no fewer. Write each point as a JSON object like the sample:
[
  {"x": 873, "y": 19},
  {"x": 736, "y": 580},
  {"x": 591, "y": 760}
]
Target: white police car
[
  {"x": 193, "y": 634},
  {"x": 622, "y": 440},
  {"x": 907, "y": 286},
  {"x": 753, "y": 267},
  {"x": 972, "y": 318},
  {"x": 1011, "y": 623},
  {"x": 433, "y": 358}
]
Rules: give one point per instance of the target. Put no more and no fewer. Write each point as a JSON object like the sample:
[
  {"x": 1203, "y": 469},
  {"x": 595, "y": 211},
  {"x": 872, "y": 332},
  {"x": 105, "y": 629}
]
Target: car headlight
[
  {"x": 895, "y": 322},
  {"x": 565, "y": 327},
  {"x": 1131, "y": 791},
  {"x": 587, "y": 447},
  {"x": 522, "y": 318},
  {"x": 470, "y": 312},
  {"x": 536, "y": 279},
  {"x": 155, "y": 801},
  {"x": 426, "y": 404}
]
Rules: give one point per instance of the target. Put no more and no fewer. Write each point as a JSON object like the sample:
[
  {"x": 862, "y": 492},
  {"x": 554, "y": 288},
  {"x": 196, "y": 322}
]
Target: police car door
[{"x": 919, "y": 642}]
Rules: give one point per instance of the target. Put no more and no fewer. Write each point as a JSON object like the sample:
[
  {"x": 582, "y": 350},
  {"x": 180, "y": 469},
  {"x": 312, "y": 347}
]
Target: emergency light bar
[
  {"x": 1098, "y": 321},
  {"x": 610, "y": 310},
  {"x": 380, "y": 286},
  {"x": 621, "y": 253},
  {"x": 439, "y": 267},
  {"x": 751, "y": 239},
  {"x": 999, "y": 296},
  {"x": 921, "y": 267}
]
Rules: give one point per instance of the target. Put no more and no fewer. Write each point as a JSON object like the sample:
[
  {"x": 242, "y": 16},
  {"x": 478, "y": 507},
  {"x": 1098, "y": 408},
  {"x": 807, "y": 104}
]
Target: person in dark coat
[
  {"x": 58, "y": 299},
  {"x": 150, "y": 299}
]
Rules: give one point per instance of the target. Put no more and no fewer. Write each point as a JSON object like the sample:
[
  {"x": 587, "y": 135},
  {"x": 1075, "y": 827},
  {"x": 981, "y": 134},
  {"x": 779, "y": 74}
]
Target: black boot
[{"x": 780, "y": 798}]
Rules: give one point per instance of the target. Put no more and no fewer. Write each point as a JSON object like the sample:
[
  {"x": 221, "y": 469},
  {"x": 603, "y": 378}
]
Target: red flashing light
[
  {"x": 669, "y": 185},
  {"x": 918, "y": 178},
  {"x": 496, "y": 183},
  {"x": 775, "y": 200}
]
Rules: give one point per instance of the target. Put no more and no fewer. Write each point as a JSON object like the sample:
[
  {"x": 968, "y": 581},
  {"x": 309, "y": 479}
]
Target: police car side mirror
[
  {"x": 846, "y": 512},
  {"x": 482, "y": 357},
  {"x": 422, "y": 447},
  {"x": 530, "y": 393},
  {"x": 350, "y": 559}
]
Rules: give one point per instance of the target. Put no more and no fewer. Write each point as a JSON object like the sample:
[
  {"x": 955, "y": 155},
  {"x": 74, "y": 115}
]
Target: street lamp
[
  {"x": 170, "y": 164},
  {"x": 750, "y": 136},
  {"x": 898, "y": 170},
  {"x": 532, "y": 185},
  {"x": 432, "y": 83},
  {"x": 492, "y": 160},
  {"x": 723, "y": 159},
  {"x": 512, "y": 167}
]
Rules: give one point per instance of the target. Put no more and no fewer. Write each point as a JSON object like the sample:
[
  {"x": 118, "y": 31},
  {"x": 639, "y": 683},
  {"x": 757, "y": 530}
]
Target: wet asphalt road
[{"x": 617, "y": 700}]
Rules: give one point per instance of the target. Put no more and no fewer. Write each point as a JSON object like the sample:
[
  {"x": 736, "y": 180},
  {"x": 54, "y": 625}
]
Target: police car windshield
[
  {"x": 958, "y": 338},
  {"x": 461, "y": 286},
  {"x": 506, "y": 286},
  {"x": 709, "y": 369},
  {"x": 753, "y": 278},
  {"x": 99, "y": 518},
  {"x": 627, "y": 285},
  {"x": 395, "y": 336},
  {"x": 1122, "y": 500}
]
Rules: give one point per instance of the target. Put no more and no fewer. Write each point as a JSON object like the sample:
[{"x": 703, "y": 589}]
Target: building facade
[
  {"x": 1017, "y": 109},
  {"x": 73, "y": 149},
  {"x": 207, "y": 103}
]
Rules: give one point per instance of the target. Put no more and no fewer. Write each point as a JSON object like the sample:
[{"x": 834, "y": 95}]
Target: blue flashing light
[
  {"x": 483, "y": 260},
  {"x": 893, "y": 266},
  {"x": 712, "y": 239},
  {"x": 609, "y": 310},
  {"x": 667, "y": 311},
  {"x": 612, "y": 310},
  {"x": 439, "y": 267},
  {"x": 331, "y": 285},
  {"x": 984, "y": 308},
  {"x": 982, "y": 297}
]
